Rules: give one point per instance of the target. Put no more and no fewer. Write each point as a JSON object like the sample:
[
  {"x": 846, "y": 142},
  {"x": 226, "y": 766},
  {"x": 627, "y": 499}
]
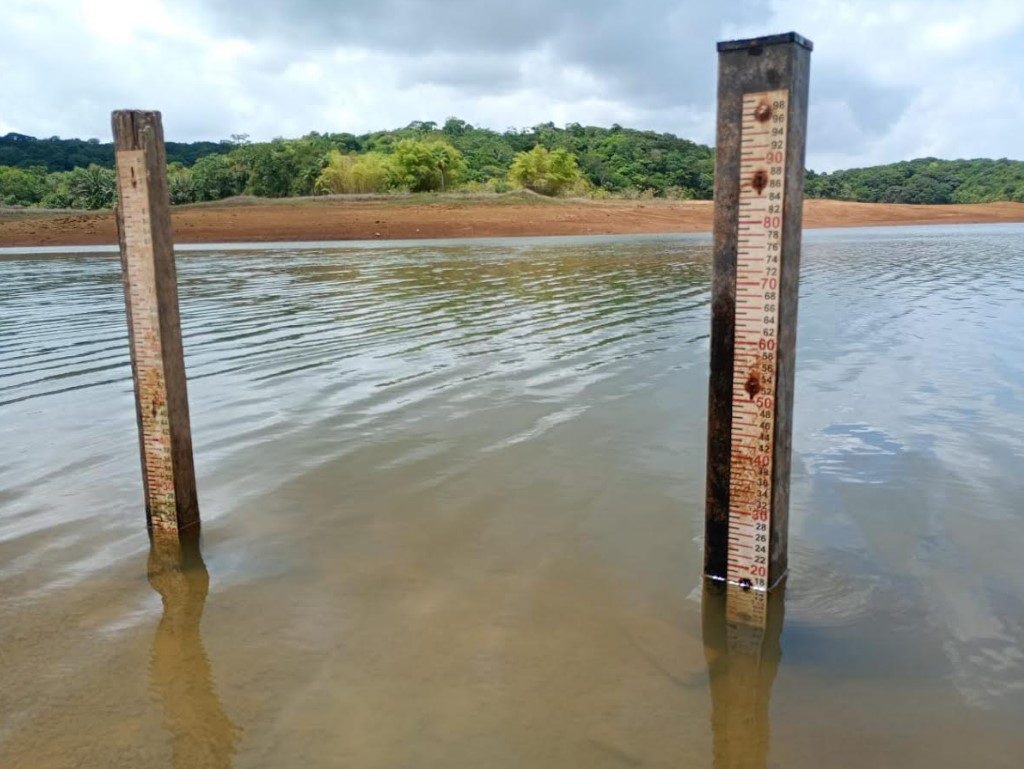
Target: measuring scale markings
[{"x": 755, "y": 357}]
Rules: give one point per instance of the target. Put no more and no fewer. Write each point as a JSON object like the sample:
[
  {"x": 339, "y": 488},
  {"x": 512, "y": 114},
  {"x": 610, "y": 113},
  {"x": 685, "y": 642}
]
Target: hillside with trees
[
  {"x": 926, "y": 180},
  {"x": 574, "y": 160},
  {"x": 56, "y": 154}
]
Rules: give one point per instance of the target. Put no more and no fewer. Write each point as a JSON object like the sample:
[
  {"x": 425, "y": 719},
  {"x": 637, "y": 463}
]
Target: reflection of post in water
[
  {"x": 203, "y": 737},
  {"x": 741, "y": 645}
]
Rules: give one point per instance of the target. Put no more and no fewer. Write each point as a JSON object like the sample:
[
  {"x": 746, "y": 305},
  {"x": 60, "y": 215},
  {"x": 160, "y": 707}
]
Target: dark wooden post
[
  {"x": 154, "y": 329},
  {"x": 759, "y": 171}
]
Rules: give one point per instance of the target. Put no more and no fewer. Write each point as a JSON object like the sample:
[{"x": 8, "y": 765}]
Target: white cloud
[{"x": 890, "y": 80}]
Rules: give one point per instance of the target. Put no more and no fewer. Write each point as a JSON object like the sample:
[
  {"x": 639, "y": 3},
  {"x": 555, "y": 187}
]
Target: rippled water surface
[{"x": 453, "y": 495}]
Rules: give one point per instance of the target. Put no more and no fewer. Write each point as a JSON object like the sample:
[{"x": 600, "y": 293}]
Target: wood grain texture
[{"x": 154, "y": 327}]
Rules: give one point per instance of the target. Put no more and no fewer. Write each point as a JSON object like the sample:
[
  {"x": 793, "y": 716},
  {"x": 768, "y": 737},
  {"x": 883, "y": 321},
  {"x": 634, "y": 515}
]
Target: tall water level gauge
[{"x": 762, "y": 118}]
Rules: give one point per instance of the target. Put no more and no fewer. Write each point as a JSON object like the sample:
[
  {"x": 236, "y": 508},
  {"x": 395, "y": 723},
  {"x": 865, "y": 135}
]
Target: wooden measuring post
[
  {"x": 759, "y": 171},
  {"x": 154, "y": 329}
]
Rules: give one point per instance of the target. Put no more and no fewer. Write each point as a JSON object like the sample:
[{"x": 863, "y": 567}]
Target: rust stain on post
[{"x": 154, "y": 329}]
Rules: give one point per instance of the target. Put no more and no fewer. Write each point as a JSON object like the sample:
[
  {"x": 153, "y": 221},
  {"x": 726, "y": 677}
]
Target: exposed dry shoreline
[{"x": 454, "y": 216}]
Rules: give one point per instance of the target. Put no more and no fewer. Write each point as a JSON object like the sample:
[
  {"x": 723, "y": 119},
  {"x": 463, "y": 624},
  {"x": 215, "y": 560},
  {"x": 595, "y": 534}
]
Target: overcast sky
[{"x": 889, "y": 80}]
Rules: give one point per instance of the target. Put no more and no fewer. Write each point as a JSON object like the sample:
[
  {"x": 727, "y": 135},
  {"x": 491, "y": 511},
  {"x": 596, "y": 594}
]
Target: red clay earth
[{"x": 242, "y": 220}]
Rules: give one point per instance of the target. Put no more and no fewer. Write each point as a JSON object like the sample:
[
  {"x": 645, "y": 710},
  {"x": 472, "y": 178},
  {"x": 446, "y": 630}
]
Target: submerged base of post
[
  {"x": 154, "y": 327},
  {"x": 202, "y": 733},
  {"x": 742, "y": 631}
]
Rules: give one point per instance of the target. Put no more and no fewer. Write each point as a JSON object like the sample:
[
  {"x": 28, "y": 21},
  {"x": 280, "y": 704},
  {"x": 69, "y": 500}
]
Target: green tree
[
  {"x": 22, "y": 187},
  {"x": 272, "y": 168},
  {"x": 354, "y": 174},
  {"x": 549, "y": 172},
  {"x": 93, "y": 187},
  {"x": 216, "y": 177},
  {"x": 422, "y": 166},
  {"x": 336, "y": 178},
  {"x": 454, "y": 128},
  {"x": 180, "y": 185},
  {"x": 282, "y": 168}
]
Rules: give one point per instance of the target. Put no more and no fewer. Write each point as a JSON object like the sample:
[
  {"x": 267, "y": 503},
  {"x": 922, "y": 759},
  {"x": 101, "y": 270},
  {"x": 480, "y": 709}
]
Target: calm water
[{"x": 453, "y": 496}]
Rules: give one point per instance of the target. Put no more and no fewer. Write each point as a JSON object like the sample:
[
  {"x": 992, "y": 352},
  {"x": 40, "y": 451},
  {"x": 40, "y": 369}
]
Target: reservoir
[{"x": 453, "y": 496}]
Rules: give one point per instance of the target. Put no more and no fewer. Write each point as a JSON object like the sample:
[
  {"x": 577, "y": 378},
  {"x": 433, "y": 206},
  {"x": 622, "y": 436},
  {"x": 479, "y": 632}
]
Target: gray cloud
[
  {"x": 482, "y": 75},
  {"x": 851, "y": 110},
  {"x": 903, "y": 79},
  {"x": 656, "y": 52}
]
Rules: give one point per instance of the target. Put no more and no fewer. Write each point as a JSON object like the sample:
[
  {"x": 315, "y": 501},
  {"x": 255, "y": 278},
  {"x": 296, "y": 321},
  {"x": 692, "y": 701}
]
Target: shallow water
[{"x": 452, "y": 498}]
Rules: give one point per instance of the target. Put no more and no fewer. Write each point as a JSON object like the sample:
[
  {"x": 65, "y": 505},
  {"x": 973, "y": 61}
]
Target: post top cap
[{"x": 760, "y": 42}]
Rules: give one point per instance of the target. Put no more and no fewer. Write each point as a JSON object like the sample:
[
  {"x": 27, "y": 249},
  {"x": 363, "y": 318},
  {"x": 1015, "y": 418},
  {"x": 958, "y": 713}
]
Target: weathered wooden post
[
  {"x": 154, "y": 329},
  {"x": 759, "y": 171}
]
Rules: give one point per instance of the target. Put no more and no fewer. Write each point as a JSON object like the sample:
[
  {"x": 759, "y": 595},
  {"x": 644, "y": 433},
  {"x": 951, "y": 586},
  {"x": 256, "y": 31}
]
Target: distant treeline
[
  {"x": 926, "y": 180},
  {"x": 422, "y": 156},
  {"x": 574, "y": 160},
  {"x": 56, "y": 154}
]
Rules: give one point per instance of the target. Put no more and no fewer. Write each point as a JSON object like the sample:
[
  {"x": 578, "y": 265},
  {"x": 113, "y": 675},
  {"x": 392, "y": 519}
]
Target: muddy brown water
[{"x": 452, "y": 497}]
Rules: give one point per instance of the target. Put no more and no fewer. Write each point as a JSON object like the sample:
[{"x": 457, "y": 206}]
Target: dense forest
[
  {"x": 56, "y": 154},
  {"x": 926, "y": 180},
  {"x": 456, "y": 156}
]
